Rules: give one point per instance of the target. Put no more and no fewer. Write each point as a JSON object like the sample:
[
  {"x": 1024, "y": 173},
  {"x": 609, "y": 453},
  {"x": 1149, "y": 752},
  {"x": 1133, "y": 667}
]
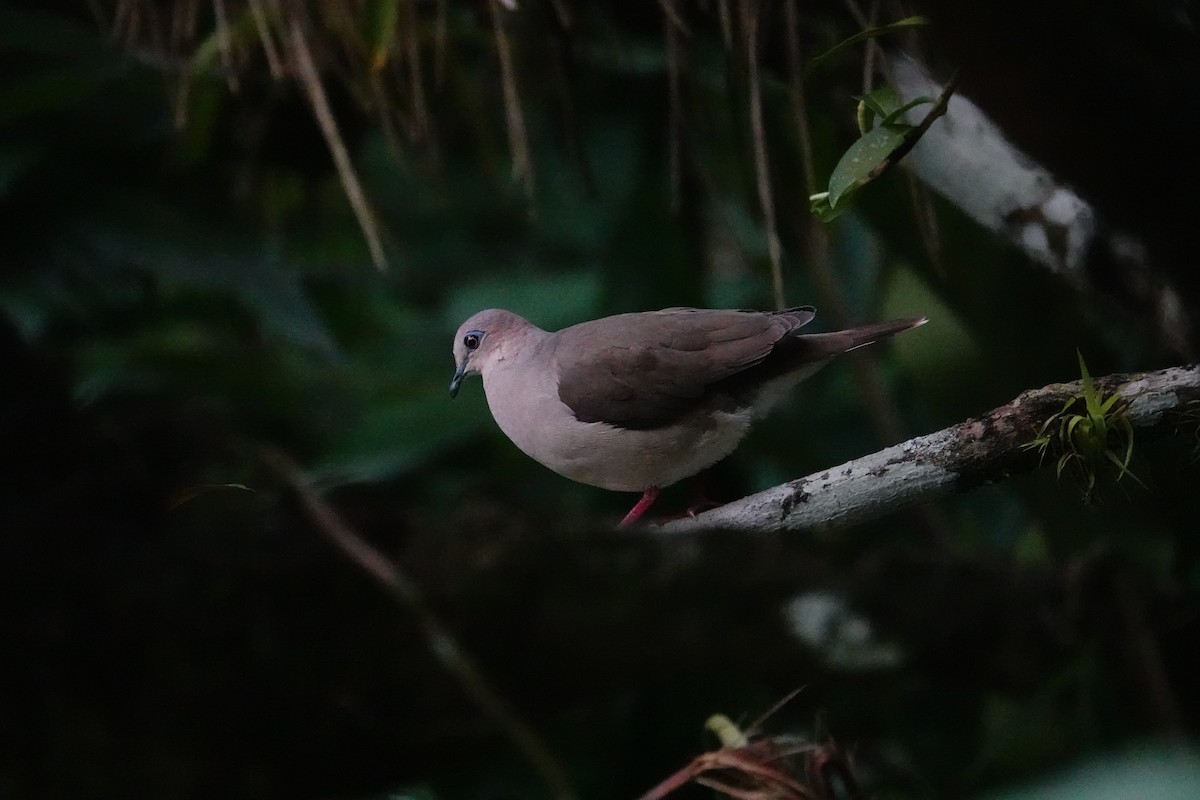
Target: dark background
[{"x": 184, "y": 283}]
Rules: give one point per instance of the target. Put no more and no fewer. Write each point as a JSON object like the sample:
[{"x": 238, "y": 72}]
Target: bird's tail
[
  {"x": 810, "y": 347},
  {"x": 865, "y": 334}
]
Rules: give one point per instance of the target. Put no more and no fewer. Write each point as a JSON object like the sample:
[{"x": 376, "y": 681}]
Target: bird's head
[{"x": 483, "y": 340}]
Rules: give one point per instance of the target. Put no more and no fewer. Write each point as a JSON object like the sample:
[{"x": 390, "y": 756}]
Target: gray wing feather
[{"x": 648, "y": 370}]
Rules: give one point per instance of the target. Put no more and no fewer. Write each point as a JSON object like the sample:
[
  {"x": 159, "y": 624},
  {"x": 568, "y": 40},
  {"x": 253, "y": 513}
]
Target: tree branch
[
  {"x": 442, "y": 643},
  {"x": 986, "y": 449},
  {"x": 969, "y": 161}
]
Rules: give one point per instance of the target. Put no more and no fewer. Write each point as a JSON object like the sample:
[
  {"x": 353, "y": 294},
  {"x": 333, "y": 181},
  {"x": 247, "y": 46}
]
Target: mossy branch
[{"x": 987, "y": 449}]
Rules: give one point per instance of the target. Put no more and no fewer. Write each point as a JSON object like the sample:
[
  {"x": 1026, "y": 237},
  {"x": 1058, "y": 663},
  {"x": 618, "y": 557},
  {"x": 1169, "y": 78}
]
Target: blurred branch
[
  {"x": 674, "y": 18},
  {"x": 225, "y": 44},
  {"x": 261, "y": 25},
  {"x": 421, "y": 119},
  {"x": 675, "y": 119},
  {"x": 972, "y": 163},
  {"x": 815, "y": 236},
  {"x": 762, "y": 171},
  {"x": 881, "y": 411},
  {"x": 442, "y": 643},
  {"x": 311, "y": 81},
  {"x": 514, "y": 117},
  {"x": 983, "y": 450}
]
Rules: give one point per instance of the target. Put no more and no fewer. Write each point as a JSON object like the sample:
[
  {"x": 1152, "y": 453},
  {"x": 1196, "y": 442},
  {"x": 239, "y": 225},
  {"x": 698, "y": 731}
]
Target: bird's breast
[{"x": 530, "y": 413}]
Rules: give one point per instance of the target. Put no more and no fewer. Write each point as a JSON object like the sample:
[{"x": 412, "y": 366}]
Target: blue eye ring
[{"x": 472, "y": 339}]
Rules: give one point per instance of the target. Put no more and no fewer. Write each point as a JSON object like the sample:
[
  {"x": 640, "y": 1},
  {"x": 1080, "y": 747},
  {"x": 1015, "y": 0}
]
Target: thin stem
[
  {"x": 319, "y": 102},
  {"x": 274, "y": 63},
  {"x": 762, "y": 168},
  {"x": 225, "y": 44},
  {"x": 675, "y": 108},
  {"x": 514, "y": 117},
  {"x": 441, "y": 641},
  {"x": 884, "y": 418}
]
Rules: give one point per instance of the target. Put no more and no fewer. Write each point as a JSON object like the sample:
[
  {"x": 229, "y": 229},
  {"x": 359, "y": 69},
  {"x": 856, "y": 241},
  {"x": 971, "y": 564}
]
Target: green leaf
[
  {"x": 1073, "y": 423},
  {"x": 892, "y": 117},
  {"x": 1063, "y": 460},
  {"x": 1090, "y": 397},
  {"x": 862, "y": 36},
  {"x": 1126, "y": 429},
  {"x": 863, "y": 158},
  {"x": 877, "y": 150},
  {"x": 886, "y": 107},
  {"x": 882, "y": 101}
]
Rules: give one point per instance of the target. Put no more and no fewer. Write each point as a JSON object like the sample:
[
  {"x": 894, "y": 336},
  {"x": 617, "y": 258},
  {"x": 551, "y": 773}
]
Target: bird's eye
[{"x": 471, "y": 340}]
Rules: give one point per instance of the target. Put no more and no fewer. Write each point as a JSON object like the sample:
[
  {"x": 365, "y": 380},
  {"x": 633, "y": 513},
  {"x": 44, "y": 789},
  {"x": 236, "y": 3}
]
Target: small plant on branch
[{"x": 1089, "y": 433}]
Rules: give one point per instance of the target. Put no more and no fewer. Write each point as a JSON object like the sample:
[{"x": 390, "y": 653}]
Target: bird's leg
[{"x": 639, "y": 508}]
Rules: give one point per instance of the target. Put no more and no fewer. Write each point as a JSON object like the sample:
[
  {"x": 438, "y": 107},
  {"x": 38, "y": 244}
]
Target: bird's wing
[{"x": 647, "y": 370}]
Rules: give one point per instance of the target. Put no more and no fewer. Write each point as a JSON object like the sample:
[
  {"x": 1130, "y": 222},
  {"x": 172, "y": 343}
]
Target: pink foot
[{"x": 639, "y": 508}]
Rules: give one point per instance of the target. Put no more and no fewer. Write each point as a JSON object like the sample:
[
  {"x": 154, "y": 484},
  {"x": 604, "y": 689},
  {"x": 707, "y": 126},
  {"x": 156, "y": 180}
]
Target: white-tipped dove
[{"x": 636, "y": 402}]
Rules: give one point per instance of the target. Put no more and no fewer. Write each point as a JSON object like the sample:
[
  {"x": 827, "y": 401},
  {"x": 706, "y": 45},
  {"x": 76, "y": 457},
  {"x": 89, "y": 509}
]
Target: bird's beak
[{"x": 459, "y": 374}]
